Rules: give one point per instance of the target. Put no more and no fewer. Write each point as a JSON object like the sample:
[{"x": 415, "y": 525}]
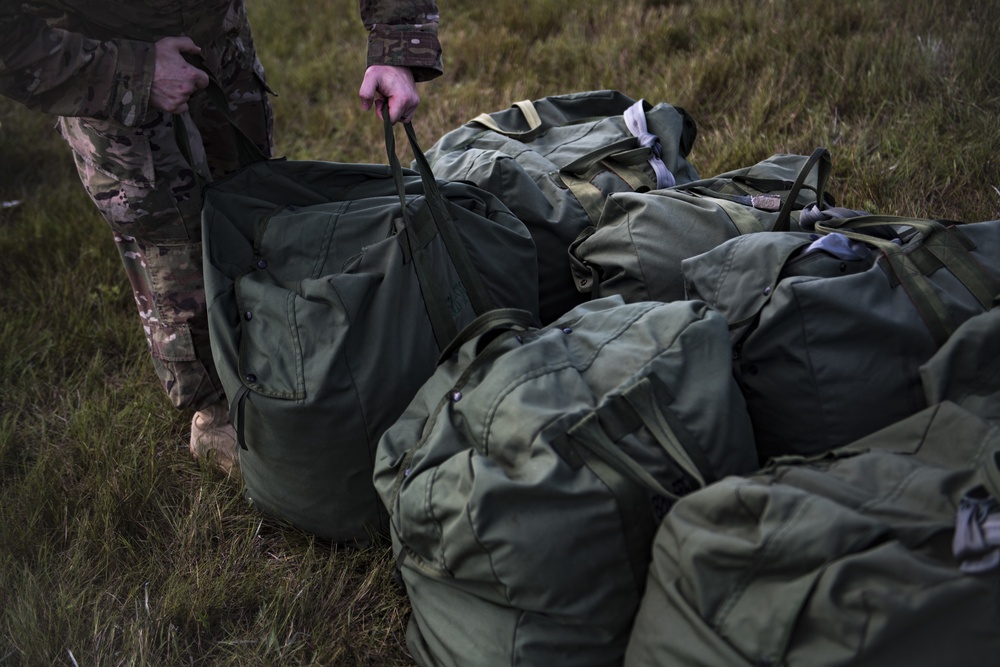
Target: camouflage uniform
[{"x": 91, "y": 62}]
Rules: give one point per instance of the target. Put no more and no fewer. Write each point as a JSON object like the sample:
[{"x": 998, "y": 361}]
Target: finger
[
  {"x": 187, "y": 45},
  {"x": 405, "y": 115},
  {"x": 200, "y": 78},
  {"x": 397, "y": 110}
]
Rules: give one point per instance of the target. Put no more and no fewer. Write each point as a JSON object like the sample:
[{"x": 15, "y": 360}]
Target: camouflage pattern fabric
[
  {"x": 94, "y": 58},
  {"x": 403, "y": 33},
  {"x": 91, "y": 62},
  {"x": 149, "y": 195}
]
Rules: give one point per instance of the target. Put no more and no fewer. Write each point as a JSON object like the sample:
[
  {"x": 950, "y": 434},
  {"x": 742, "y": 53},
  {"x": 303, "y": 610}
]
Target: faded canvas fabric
[
  {"x": 525, "y": 480},
  {"x": 637, "y": 246},
  {"x": 841, "y": 559},
  {"x": 829, "y": 338},
  {"x": 332, "y": 290},
  {"x": 966, "y": 370},
  {"x": 554, "y": 161}
]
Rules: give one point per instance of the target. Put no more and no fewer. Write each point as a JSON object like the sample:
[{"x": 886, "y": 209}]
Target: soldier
[{"x": 116, "y": 73}]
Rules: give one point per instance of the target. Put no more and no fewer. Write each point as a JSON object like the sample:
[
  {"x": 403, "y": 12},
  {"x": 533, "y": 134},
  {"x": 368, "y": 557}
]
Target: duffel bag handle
[
  {"x": 489, "y": 325},
  {"x": 942, "y": 239},
  {"x": 529, "y": 112},
  {"x": 641, "y": 405},
  {"x": 820, "y": 158},
  {"x": 947, "y": 245},
  {"x": 594, "y": 438},
  {"x": 480, "y": 296}
]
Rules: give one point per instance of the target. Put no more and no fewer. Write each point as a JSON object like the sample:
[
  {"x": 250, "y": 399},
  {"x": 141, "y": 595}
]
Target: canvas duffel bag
[
  {"x": 332, "y": 289},
  {"x": 525, "y": 480},
  {"x": 830, "y": 329},
  {"x": 637, "y": 245},
  {"x": 966, "y": 370},
  {"x": 879, "y": 554},
  {"x": 553, "y": 162}
]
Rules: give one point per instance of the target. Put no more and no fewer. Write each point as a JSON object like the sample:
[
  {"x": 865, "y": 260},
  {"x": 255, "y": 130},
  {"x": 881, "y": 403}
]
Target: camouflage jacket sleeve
[
  {"x": 64, "y": 73},
  {"x": 403, "y": 32}
]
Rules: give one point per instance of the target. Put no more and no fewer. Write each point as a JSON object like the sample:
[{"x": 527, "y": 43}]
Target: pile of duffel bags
[{"x": 611, "y": 412}]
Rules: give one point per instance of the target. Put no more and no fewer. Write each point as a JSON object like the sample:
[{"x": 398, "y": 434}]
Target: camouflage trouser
[{"x": 147, "y": 192}]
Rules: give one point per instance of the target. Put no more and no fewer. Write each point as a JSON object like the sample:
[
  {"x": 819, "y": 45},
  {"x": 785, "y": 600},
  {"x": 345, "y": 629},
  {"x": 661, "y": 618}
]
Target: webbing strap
[
  {"x": 635, "y": 178},
  {"x": 647, "y": 398},
  {"x": 589, "y": 195},
  {"x": 635, "y": 514},
  {"x": 948, "y": 244},
  {"x": 594, "y": 439},
  {"x": 916, "y": 285},
  {"x": 414, "y": 235},
  {"x": 640, "y": 405},
  {"x": 237, "y": 414},
  {"x": 435, "y": 298},
  {"x": 527, "y": 108},
  {"x": 479, "y": 295},
  {"x": 820, "y": 158},
  {"x": 929, "y": 305},
  {"x": 501, "y": 319},
  {"x": 742, "y": 219},
  {"x": 577, "y": 175}
]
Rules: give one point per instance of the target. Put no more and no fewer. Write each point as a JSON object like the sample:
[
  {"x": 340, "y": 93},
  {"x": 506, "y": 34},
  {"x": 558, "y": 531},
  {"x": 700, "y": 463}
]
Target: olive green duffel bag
[
  {"x": 332, "y": 289},
  {"x": 830, "y": 329},
  {"x": 883, "y": 553},
  {"x": 966, "y": 370},
  {"x": 553, "y": 162},
  {"x": 637, "y": 246},
  {"x": 525, "y": 481}
]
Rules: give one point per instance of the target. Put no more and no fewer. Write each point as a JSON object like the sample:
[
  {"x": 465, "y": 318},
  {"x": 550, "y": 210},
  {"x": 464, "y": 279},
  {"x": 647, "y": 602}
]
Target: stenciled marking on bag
[{"x": 458, "y": 298}]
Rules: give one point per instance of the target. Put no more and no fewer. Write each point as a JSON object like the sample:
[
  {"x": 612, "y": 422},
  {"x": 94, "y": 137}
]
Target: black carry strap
[
  {"x": 487, "y": 327},
  {"x": 441, "y": 217},
  {"x": 820, "y": 159},
  {"x": 236, "y": 416}
]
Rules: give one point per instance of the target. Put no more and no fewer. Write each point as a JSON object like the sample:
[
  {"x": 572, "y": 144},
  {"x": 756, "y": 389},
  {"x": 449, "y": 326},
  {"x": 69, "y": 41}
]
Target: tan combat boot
[{"x": 213, "y": 437}]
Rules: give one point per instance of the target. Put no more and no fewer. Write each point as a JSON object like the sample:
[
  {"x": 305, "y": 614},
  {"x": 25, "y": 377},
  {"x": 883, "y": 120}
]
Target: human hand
[
  {"x": 174, "y": 78},
  {"x": 393, "y": 85}
]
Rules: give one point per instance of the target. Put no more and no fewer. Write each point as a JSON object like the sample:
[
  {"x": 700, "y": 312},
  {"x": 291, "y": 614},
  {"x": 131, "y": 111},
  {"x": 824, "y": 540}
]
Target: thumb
[
  {"x": 186, "y": 45},
  {"x": 369, "y": 86}
]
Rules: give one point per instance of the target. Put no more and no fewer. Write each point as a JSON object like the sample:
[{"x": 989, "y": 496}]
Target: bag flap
[{"x": 738, "y": 277}]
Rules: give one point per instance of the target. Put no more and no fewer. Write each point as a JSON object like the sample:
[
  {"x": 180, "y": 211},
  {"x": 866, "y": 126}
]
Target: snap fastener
[
  {"x": 456, "y": 396},
  {"x": 251, "y": 377},
  {"x": 248, "y": 316},
  {"x": 567, "y": 330},
  {"x": 767, "y": 290},
  {"x": 262, "y": 263}
]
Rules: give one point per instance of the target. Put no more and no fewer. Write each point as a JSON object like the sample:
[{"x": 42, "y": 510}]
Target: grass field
[{"x": 117, "y": 549}]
